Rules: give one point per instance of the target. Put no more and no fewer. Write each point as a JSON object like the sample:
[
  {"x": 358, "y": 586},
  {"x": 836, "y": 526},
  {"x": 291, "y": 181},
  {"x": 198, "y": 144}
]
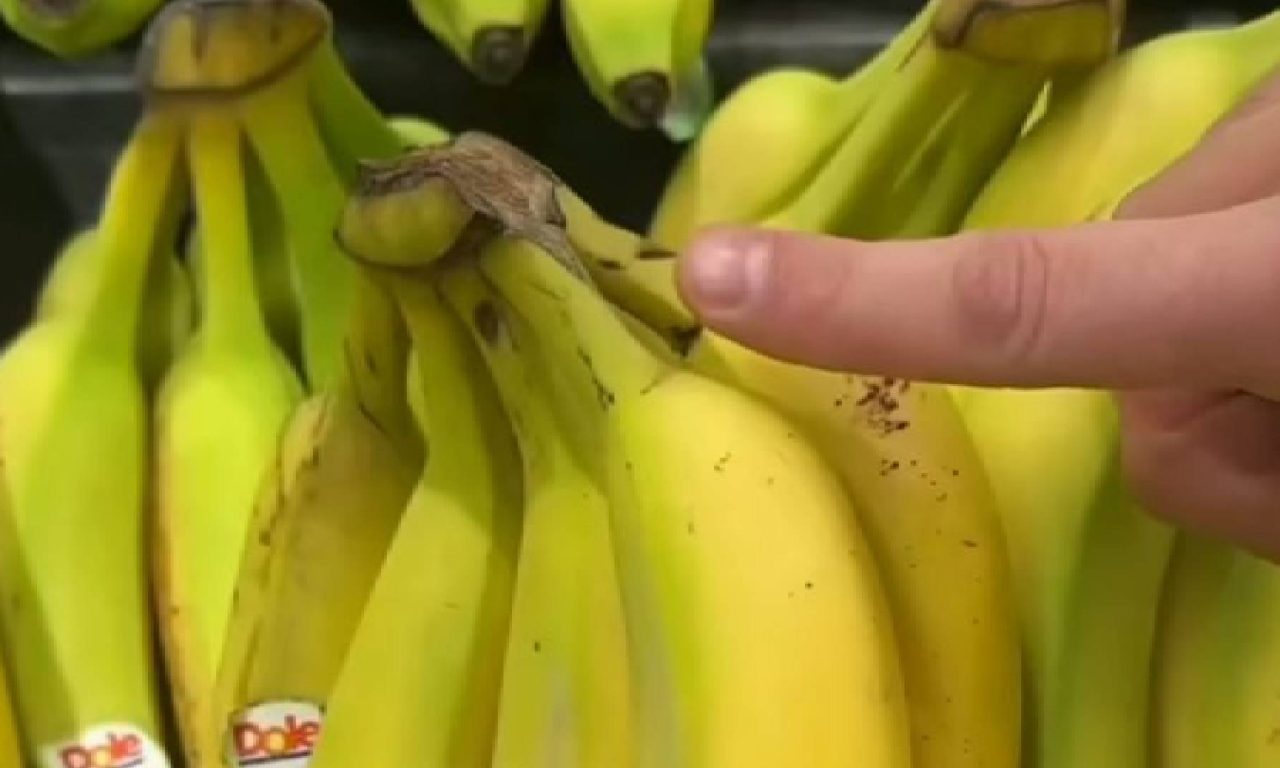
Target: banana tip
[
  {"x": 498, "y": 54},
  {"x": 643, "y": 98}
]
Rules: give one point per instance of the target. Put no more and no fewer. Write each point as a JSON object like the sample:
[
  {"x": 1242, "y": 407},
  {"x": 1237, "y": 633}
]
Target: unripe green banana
[
  {"x": 78, "y": 27},
  {"x": 769, "y": 138},
  {"x": 432, "y": 636},
  {"x": 566, "y": 686},
  {"x": 168, "y": 311},
  {"x": 491, "y": 37},
  {"x": 75, "y": 616},
  {"x": 218, "y": 421},
  {"x": 637, "y": 56}
]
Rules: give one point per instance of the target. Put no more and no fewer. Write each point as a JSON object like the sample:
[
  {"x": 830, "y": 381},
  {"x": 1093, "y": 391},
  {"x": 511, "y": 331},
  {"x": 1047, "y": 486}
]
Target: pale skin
[{"x": 1175, "y": 307}]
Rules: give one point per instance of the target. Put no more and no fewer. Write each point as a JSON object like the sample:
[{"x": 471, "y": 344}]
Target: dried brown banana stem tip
[
  {"x": 644, "y": 98},
  {"x": 226, "y": 48},
  {"x": 414, "y": 210},
  {"x": 1049, "y": 33},
  {"x": 498, "y": 54}
]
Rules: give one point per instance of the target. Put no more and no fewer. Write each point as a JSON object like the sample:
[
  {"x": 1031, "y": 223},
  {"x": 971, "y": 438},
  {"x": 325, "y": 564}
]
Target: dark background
[{"x": 61, "y": 123}]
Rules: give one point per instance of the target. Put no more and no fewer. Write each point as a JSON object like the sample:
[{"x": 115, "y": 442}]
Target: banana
[
  {"x": 1095, "y": 144},
  {"x": 431, "y": 639},
  {"x": 339, "y": 479},
  {"x": 1088, "y": 564},
  {"x": 76, "y": 28},
  {"x": 10, "y": 744},
  {"x": 565, "y": 689},
  {"x": 491, "y": 37},
  {"x": 789, "y": 658},
  {"x": 73, "y": 440},
  {"x": 168, "y": 311},
  {"x": 218, "y": 421},
  {"x": 1194, "y": 596},
  {"x": 1232, "y": 666},
  {"x": 638, "y": 56},
  {"x": 768, "y": 138}
]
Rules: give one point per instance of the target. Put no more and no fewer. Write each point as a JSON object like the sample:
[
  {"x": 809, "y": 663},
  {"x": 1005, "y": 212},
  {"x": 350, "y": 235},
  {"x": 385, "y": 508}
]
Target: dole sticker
[
  {"x": 114, "y": 745},
  {"x": 276, "y": 734}
]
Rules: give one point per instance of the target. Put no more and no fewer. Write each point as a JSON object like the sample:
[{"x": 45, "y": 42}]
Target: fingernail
[{"x": 727, "y": 274}]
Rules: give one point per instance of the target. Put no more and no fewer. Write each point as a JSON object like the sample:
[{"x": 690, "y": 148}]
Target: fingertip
[{"x": 722, "y": 274}]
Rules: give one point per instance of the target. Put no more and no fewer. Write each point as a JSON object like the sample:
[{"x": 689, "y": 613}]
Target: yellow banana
[
  {"x": 566, "y": 688},
  {"x": 753, "y": 642},
  {"x": 219, "y": 415},
  {"x": 431, "y": 639},
  {"x": 76, "y": 624}
]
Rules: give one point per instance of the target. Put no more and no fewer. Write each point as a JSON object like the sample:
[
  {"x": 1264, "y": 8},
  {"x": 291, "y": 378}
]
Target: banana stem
[
  {"x": 139, "y": 221},
  {"x": 232, "y": 315},
  {"x": 354, "y": 128},
  {"x": 284, "y": 134}
]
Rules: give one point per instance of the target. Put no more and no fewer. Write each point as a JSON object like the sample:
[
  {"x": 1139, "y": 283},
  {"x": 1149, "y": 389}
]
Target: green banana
[
  {"x": 639, "y": 56},
  {"x": 1095, "y": 145},
  {"x": 75, "y": 617},
  {"x": 768, "y": 138},
  {"x": 168, "y": 311},
  {"x": 218, "y": 420},
  {"x": 345, "y": 465},
  {"x": 430, "y": 641},
  {"x": 566, "y": 688},
  {"x": 76, "y": 28},
  {"x": 491, "y": 37}
]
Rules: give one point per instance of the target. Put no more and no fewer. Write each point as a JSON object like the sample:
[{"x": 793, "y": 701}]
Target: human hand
[{"x": 1176, "y": 308}]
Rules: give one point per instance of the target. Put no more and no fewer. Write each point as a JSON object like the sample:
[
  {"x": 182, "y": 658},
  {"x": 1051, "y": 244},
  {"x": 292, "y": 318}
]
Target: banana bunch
[
  {"x": 675, "y": 602},
  {"x": 340, "y": 442},
  {"x": 641, "y": 59},
  {"x": 76, "y": 27}
]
